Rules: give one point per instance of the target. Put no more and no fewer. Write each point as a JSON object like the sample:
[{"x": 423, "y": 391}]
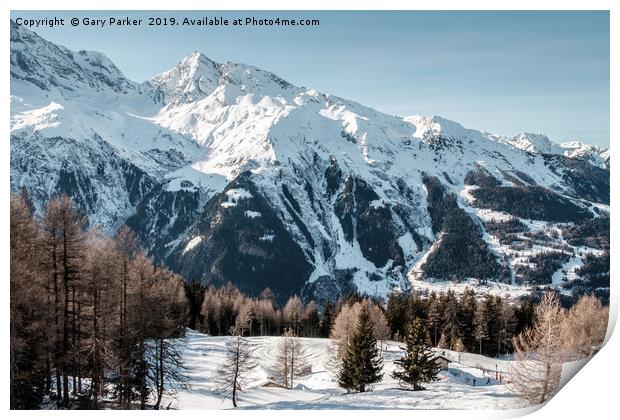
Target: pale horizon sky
[{"x": 503, "y": 72}]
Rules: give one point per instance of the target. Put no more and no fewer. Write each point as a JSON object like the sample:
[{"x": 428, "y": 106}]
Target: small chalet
[{"x": 442, "y": 361}]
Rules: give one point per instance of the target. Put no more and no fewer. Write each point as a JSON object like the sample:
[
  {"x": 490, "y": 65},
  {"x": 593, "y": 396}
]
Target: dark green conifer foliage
[
  {"x": 361, "y": 364},
  {"x": 416, "y": 366}
]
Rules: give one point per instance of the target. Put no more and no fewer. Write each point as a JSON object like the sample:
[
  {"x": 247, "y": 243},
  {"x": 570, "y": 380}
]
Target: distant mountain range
[{"x": 227, "y": 172}]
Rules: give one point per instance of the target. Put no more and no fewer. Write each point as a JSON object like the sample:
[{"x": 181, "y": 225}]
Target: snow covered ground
[{"x": 203, "y": 354}]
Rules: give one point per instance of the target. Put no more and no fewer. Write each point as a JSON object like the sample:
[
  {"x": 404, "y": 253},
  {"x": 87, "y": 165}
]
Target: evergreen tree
[
  {"x": 361, "y": 365},
  {"x": 416, "y": 308},
  {"x": 434, "y": 317},
  {"x": 507, "y": 325},
  {"x": 481, "y": 327},
  {"x": 467, "y": 315},
  {"x": 195, "y": 295},
  {"x": 328, "y": 318},
  {"x": 451, "y": 328},
  {"x": 395, "y": 313},
  {"x": 487, "y": 326},
  {"x": 525, "y": 314},
  {"x": 416, "y": 366},
  {"x": 494, "y": 308}
]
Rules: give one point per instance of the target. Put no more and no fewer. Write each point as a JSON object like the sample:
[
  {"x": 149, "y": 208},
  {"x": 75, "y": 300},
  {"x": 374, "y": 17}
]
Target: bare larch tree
[
  {"x": 536, "y": 370},
  {"x": 291, "y": 359},
  {"x": 233, "y": 374}
]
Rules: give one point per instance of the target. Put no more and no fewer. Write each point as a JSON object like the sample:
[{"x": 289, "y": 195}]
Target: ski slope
[{"x": 202, "y": 355}]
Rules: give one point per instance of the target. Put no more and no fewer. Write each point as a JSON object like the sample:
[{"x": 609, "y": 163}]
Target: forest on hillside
[{"x": 96, "y": 324}]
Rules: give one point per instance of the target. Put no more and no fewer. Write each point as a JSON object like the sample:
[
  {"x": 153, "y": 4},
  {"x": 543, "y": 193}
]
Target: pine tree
[
  {"x": 525, "y": 314},
  {"x": 467, "y": 314},
  {"x": 416, "y": 366},
  {"x": 507, "y": 324},
  {"x": 361, "y": 365},
  {"x": 434, "y": 317},
  {"x": 451, "y": 328},
  {"x": 481, "y": 327},
  {"x": 327, "y": 319},
  {"x": 494, "y": 314},
  {"x": 487, "y": 326},
  {"x": 416, "y": 308},
  {"x": 195, "y": 294},
  {"x": 395, "y": 313}
]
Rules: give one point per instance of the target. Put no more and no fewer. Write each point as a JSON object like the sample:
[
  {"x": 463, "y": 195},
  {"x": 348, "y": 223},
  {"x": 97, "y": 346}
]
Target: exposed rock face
[
  {"x": 228, "y": 173},
  {"x": 238, "y": 237}
]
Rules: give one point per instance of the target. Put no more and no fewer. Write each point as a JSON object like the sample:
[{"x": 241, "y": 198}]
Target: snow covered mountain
[
  {"x": 539, "y": 143},
  {"x": 229, "y": 173}
]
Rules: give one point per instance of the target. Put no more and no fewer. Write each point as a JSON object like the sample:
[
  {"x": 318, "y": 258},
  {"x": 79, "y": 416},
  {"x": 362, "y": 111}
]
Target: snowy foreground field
[{"x": 203, "y": 354}]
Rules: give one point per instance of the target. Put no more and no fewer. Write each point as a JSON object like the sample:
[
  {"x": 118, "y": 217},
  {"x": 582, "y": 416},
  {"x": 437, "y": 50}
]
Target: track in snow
[{"x": 203, "y": 354}]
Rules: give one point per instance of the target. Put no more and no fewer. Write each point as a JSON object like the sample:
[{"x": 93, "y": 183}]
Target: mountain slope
[{"x": 229, "y": 173}]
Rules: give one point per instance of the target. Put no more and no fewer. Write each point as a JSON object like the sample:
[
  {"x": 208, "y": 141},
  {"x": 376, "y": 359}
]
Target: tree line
[
  {"x": 91, "y": 315},
  {"x": 462, "y": 323},
  {"x": 96, "y": 324}
]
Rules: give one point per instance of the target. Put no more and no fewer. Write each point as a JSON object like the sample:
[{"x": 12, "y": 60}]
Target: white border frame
[{"x": 591, "y": 394}]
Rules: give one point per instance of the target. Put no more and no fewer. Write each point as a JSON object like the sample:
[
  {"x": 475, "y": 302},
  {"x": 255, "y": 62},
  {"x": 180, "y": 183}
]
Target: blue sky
[{"x": 503, "y": 72}]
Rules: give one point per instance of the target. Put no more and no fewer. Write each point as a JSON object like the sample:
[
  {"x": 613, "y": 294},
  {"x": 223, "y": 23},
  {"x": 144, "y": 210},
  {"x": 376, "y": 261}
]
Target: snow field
[{"x": 202, "y": 355}]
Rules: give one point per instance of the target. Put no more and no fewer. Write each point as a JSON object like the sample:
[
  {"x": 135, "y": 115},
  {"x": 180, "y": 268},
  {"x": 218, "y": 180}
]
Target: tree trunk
[
  {"x": 95, "y": 378},
  {"x": 79, "y": 367},
  {"x": 234, "y": 392},
  {"x": 65, "y": 332},
  {"x": 57, "y": 340},
  {"x": 159, "y": 374},
  {"x": 75, "y": 362}
]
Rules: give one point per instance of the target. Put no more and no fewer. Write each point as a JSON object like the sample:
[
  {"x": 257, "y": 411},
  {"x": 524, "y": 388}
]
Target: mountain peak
[
  {"x": 195, "y": 77},
  {"x": 535, "y": 143},
  {"x": 432, "y": 129},
  {"x": 54, "y": 67},
  {"x": 596, "y": 155},
  {"x": 195, "y": 62}
]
